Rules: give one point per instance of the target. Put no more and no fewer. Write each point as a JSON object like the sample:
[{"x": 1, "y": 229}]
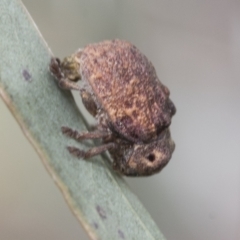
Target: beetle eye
[{"x": 151, "y": 157}]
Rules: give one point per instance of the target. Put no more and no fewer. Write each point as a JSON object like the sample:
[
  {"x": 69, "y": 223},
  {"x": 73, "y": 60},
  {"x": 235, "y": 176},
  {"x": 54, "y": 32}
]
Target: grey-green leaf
[{"x": 100, "y": 198}]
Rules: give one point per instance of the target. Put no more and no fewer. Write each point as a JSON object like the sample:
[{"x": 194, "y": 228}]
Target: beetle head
[{"x": 147, "y": 158}]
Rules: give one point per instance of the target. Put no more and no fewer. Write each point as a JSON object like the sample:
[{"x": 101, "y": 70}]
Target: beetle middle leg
[
  {"x": 67, "y": 74},
  {"x": 79, "y": 136},
  {"x": 91, "y": 152}
]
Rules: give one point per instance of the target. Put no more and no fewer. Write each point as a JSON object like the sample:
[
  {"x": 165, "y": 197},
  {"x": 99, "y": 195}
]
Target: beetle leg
[
  {"x": 88, "y": 102},
  {"x": 79, "y": 136},
  {"x": 55, "y": 68},
  {"x": 65, "y": 81},
  {"x": 91, "y": 152}
]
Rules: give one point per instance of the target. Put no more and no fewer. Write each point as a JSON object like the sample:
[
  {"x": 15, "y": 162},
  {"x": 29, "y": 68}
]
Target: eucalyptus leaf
[{"x": 99, "y": 197}]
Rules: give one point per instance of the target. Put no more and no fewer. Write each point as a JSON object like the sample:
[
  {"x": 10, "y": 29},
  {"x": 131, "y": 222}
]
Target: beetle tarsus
[{"x": 55, "y": 68}]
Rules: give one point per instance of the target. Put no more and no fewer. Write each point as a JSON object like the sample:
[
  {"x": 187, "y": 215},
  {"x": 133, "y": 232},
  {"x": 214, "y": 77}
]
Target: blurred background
[{"x": 195, "y": 48}]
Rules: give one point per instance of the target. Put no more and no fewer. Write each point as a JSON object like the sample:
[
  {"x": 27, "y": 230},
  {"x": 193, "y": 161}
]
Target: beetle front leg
[
  {"x": 65, "y": 83},
  {"x": 65, "y": 73}
]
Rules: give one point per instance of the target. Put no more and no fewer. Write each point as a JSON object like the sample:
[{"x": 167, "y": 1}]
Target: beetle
[{"x": 120, "y": 88}]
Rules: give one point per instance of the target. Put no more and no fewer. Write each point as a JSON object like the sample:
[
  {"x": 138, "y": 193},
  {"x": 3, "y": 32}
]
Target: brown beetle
[{"x": 120, "y": 88}]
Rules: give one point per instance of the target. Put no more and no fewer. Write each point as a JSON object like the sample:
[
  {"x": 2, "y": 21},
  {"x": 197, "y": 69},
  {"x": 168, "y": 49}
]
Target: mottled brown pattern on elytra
[{"x": 124, "y": 81}]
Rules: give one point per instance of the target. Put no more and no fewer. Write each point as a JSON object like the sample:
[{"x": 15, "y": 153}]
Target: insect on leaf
[{"x": 99, "y": 198}]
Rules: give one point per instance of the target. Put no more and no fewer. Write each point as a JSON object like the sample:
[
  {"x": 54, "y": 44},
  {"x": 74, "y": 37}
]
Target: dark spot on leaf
[
  {"x": 27, "y": 76},
  {"x": 95, "y": 225},
  {"x": 121, "y": 234},
  {"x": 101, "y": 212}
]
